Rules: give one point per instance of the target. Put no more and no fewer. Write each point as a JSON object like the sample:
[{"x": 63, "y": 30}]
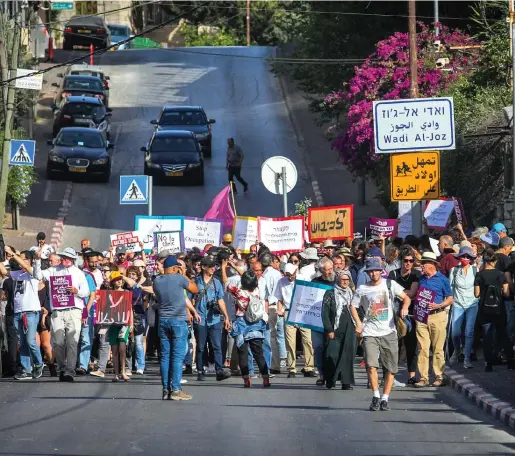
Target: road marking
[{"x": 48, "y": 190}]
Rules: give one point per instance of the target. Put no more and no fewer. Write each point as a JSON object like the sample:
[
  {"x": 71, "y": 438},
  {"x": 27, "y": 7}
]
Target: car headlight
[
  {"x": 100, "y": 161},
  {"x": 194, "y": 165},
  {"x": 102, "y": 126},
  {"x": 202, "y": 136},
  {"x": 56, "y": 158}
]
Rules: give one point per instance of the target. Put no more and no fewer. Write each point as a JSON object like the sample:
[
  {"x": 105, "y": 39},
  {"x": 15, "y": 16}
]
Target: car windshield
[
  {"x": 182, "y": 118},
  {"x": 84, "y": 84},
  {"x": 86, "y": 109},
  {"x": 173, "y": 144},
  {"x": 91, "y": 139},
  {"x": 86, "y": 20},
  {"x": 118, "y": 30},
  {"x": 88, "y": 73}
]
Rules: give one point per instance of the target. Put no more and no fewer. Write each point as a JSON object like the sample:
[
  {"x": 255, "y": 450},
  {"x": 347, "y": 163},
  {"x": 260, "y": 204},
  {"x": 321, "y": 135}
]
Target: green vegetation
[{"x": 223, "y": 37}]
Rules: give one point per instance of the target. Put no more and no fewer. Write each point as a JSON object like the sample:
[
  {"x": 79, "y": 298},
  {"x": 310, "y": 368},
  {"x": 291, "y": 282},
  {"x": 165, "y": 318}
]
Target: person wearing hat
[
  {"x": 66, "y": 320},
  {"x": 227, "y": 240},
  {"x": 447, "y": 259},
  {"x": 380, "y": 340},
  {"x": 310, "y": 257},
  {"x": 490, "y": 239},
  {"x": 500, "y": 229},
  {"x": 46, "y": 249},
  {"x": 372, "y": 253},
  {"x": 434, "y": 332},
  {"x": 330, "y": 245}
]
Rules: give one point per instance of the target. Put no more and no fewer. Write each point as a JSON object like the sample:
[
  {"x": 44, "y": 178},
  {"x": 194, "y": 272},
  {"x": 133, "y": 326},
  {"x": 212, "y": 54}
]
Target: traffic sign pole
[
  {"x": 149, "y": 195},
  {"x": 285, "y": 192}
]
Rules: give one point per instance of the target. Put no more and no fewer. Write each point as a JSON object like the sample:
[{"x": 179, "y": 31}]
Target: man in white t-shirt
[
  {"x": 378, "y": 330},
  {"x": 46, "y": 249}
]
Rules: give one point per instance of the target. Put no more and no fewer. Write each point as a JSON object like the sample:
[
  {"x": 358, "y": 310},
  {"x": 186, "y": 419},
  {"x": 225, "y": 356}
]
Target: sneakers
[
  {"x": 454, "y": 359},
  {"x": 222, "y": 375},
  {"x": 81, "y": 371},
  {"x": 411, "y": 381},
  {"x": 467, "y": 364},
  {"x": 23, "y": 376},
  {"x": 183, "y": 381},
  {"x": 283, "y": 363},
  {"x": 38, "y": 371},
  {"x": 97, "y": 373},
  {"x": 166, "y": 395},
  {"x": 65, "y": 377},
  {"x": 139, "y": 372},
  {"x": 188, "y": 370},
  {"x": 384, "y": 406},
  {"x": 374, "y": 405},
  {"x": 252, "y": 375},
  {"x": 310, "y": 374},
  {"x": 397, "y": 384},
  {"x": 292, "y": 374},
  {"x": 201, "y": 378},
  {"x": 180, "y": 396}
]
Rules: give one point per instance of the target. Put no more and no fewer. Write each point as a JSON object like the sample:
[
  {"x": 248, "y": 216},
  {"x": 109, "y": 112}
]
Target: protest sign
[
  {"x": 405, "y": 227},
  {"x": 60, "y": 297},
  {"x": 424, "y": 297},
  {"x": 330, "y": 222},
  {"x": 244, "y": 233},
  {"x": 306, "y": 305},
  {"x": 113, "y": 307},
  {"x": 199, "y": 232},
  {"x": 382, "y": 226},
  {"x": 434, "y": 246},
  {"x": 437, "y": 213},
  {"x": 282, "y": 235},
  {"x": 173, "y": 241},
  {"x": 147, "y": 225},
  {"x": 459, "y": 211},
  {"x": 129, "y": 239},
  {"x": 151, "y": 265}
]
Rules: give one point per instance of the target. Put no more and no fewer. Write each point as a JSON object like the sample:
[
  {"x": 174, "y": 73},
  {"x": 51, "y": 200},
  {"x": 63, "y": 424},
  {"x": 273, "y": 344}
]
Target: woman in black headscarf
[{"x": 340, "y": 338}]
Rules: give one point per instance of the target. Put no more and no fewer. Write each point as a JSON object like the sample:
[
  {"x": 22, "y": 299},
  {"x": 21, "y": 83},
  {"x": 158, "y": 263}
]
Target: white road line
[{"x": 48, "y": 190}]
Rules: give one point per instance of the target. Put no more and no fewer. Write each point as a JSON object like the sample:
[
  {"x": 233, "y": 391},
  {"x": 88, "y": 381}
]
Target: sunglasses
[
  {"x": 226, "y": 243},
  {"x": 406, "y": 260}
]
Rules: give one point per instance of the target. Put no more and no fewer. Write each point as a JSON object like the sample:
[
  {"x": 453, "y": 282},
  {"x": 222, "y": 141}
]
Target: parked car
[
  {"x": 174, "y": 155},
  {"x": 82, "y": 112},
  {"x": 85, "y": 31},
  {"x": 79, "y": 152},
  {"x": 87, "y": 70},
  {"x": 120, "y": 33},
  {"x": 81, "y": 85},
  {"x": 191, "y": 118}
]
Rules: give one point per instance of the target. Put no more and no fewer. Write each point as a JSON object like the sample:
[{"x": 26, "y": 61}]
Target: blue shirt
[
  {"x": 169, "y": 291},
  {"x": 439, "y": 284},
  {"x": 214, "y": 292},
  {"x": 92, "y": 287}
]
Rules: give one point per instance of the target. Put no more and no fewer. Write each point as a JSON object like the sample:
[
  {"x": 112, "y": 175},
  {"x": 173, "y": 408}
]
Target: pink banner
[
  {"x": 384, "y": 226},
  {"x": 60, "y": 297}
]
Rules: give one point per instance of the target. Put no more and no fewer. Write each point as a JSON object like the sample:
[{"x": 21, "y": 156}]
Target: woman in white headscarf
[{"x": 339, "y": 335}]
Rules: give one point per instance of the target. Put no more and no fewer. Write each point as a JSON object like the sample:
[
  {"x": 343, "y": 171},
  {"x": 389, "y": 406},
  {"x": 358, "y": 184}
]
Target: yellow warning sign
[{"x": 415, "y": 176}]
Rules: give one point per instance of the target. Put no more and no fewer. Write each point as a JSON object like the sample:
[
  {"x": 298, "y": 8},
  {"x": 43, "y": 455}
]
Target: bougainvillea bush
[{"x": 384, "y": 75}]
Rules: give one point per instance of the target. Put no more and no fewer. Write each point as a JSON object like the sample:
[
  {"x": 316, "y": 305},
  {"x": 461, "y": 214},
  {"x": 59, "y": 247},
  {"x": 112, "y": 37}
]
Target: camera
[{"x": 223, "y": 254}]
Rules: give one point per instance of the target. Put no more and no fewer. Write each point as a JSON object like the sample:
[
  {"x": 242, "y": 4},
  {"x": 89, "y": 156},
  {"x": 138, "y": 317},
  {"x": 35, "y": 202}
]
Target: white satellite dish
[{"x": 271, "y": 174}]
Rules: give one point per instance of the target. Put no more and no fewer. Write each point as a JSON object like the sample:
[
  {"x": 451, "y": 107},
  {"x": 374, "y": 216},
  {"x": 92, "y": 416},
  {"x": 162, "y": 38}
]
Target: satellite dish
[{"x": 271, "y": 174}]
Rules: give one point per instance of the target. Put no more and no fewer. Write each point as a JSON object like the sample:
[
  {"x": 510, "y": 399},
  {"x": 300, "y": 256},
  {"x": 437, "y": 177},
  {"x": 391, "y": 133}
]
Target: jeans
[
  {"x": 234, "y": 172},
  {"x": 276, "y": 324},
  {"x": 215, "y": 336},
  {"x": 510, "y": 314},
  {"x": 12, "y": 343},
  {"x": 267, "y": 352},
  {"x": 139, "y": 347},
  {"x": 459, "y": 315},
  {"x": 85, "y": 344},
  {"x": 29, "y": 350},
  {"x": 256, "y": 347},
  {"x": 498, "y": 326},
  {"x": 173, "y": 333},
  {"x": 317, "y": 339},
  {"x": 103, "y": 348},
  {"x": 188, "y": 356}
]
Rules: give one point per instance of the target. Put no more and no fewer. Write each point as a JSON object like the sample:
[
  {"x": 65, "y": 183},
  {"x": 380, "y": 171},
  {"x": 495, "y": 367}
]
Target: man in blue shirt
[
  {"x": 86, "y": 333},
  {"x": 210, "y": 305},
  {"x": 433, "y": 332}
]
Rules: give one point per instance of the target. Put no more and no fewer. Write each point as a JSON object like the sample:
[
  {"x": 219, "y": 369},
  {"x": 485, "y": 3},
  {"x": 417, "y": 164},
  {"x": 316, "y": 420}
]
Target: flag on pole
[{"x": 221, "y": 209}]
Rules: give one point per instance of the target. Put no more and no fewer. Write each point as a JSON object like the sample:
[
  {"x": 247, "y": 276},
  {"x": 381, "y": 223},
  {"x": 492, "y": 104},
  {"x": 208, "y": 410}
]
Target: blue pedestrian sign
[
  {"x": 22, "y": 152},
  {"x": 133, "y": 189}
]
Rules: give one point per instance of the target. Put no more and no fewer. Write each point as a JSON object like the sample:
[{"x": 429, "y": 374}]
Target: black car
[
  {"x": 82, "y": 112},
  {"x": 86, "y": 31},
  {"x": 81, "y": 85},
  {"x": 79, "y": 152},
  {"x": 174, "y": 155},
  {"x": 190, "y": 118}
]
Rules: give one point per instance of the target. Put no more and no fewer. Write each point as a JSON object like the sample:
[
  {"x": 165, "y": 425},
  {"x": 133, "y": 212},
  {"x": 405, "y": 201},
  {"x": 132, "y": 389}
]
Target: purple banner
[
  {"x": 424, "y": 298},
  {"x": 60, "y": 297},
  {"x": 384, "y": 226},
  {"x": 458, "y": 210}
]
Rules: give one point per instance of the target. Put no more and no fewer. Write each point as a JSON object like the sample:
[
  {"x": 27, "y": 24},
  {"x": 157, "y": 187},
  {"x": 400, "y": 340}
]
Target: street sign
[
  {"x": 22, "y": 152},
  {"x": 414, "y": 125},
  {"x": 34, "y": 82},
  {"x": 60, "y": 6},
  {"x": 133, "y": 189},
  {"x": 415, "y": 177}
]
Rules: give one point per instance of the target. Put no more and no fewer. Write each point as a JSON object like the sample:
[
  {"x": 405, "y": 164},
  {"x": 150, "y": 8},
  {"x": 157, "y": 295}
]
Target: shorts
[
  {"x": 118, "y": 335},
  {"x": 386, "y": 347},
  {"x": 47, "y": 323}
]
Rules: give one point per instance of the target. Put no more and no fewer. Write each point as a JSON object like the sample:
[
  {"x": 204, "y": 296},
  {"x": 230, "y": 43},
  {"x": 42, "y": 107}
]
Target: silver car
[{"x": 120, "y": 33}]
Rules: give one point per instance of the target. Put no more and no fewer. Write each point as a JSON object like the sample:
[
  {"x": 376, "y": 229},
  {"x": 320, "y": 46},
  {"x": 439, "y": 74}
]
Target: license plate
[
  {"x": 82, "y": 121},
  {"x": 84, "y": 31},
  {"x": 78, "y": 170},
  {"x": 175, "y": 174}
]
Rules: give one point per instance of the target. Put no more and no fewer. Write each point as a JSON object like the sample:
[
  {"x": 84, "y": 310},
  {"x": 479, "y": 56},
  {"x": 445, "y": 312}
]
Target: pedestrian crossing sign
[
  {"x": 22, "y": 152},
  {"x": 133, "y": 189}
]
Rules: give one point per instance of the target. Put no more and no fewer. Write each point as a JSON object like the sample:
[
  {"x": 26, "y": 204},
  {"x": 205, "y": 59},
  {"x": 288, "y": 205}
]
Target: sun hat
[
  {"x": 310, "y": 253},
  {"x": 374, "y": 264},
  {"x": 465, "y": 250},
  {"x": 345, "y": 251},
  {"x": 375, "y": 252},
  {"x": 491, "y": 238},
  {"x": 429, "y": 257},
  {"x": 68, "y": 252},
  {"x": 115, "y": 275},
  {"x": 290, "y": 268},
  {"x": 329, "y": 243}
]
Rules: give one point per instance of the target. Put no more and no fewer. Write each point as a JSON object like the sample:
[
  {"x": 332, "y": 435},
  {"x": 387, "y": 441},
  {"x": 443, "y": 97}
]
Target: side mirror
[
  {"x": 211, "y": 121},
  {"x": 54, "y": 84},
  {"x": 153, "y": 122},
  {"x": 110, "y": 145},
  {"x": 143, "y": 149},
  {"x": 50, "y": 142},
  {"x": 60, "y": 75}
]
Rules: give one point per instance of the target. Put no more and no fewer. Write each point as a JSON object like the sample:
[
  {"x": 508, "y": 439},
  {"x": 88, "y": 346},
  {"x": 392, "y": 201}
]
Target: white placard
[
  {"x": 34, "y": 82},
  {"x": 129, "y": 239},
  {"x": 148, "y": 225},
  {"x": 405, "y": 226},
  {"x": 437, "y": 213},
  {"x": 169, "y": 240},
  {"x": 244, "y": 233},
  {"x": 415, "y": 124},
  {"x": 282, "y": 235},
  {"x": 306, "y": 305},
  {"x": 434, "y": 246},
  {"x": 199, "y": 232}
]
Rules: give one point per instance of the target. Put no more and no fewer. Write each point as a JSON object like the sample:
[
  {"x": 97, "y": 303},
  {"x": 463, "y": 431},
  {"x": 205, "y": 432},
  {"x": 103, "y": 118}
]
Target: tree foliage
[{"x": 222, "y": 38}]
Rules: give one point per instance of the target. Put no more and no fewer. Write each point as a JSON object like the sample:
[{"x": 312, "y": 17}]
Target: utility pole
[
  {"x": 512, "y": 27},
  {"x": 9, "y": 117},
  {"x": 248, "y": 22},
  {"x": 437, "y": 18}
]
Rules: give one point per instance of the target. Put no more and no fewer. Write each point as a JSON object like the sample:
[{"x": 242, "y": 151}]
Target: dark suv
[
  {"x": 189, "y": 118},
  {"x": 82, "y": 112}
]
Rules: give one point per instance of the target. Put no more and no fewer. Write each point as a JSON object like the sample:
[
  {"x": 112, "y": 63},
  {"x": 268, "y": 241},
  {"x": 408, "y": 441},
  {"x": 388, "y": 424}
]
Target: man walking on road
[{"x": 234, "y": 163}]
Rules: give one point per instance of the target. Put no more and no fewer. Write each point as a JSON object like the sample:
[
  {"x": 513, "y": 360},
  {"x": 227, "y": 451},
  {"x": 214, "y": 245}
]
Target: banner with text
[
  {"x": 60, "y": 297},
  {"x": 147, "y": 225},
  {"x": 129, "y": 239},
  {"x": 282, "y": 235},
  {"x": 306, "y": 305},
  {"x": 437, "y": 213},
  {"x": 425, "y": 296},
  {"x": 173, "y": 241},
  {"x": 244, "y": 233},
  {"x": 113, "y": 307},
  {"x": 382, "y": 226},
  {"x": 151, "y": 265},
  {"x": 199, "y": 232},
  {"x": 331, "y": 222}
]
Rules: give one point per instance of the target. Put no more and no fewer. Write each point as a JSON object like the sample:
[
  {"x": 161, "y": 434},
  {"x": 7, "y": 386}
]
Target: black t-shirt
[
  {"x": 489, "y": 277},
  {"x": 503, "y": 262},
  {"x": 406, "y": 282},
  {"x": 7, "y": 286}
]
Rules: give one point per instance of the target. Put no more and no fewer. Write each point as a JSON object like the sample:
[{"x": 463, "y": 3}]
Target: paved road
[
  {"x": 95, "y": 417},
  {"x": 240, "y": 93}
]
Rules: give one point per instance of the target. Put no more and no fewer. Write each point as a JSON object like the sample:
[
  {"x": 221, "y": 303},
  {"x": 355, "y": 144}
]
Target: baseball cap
[
  {"x": 374, "y": 264},
  {"x": 40, "y": 236},
  {"x": 121, "y": 249},
  {"x": 290, "y": 268},
  {"x": 499, "y": 228},
  {"x": 170, "y": 262},
  {"x": 115, "y": 275}
]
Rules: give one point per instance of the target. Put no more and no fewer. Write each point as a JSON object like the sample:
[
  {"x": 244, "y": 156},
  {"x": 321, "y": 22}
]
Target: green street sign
[{"x": 61, "y": 6}]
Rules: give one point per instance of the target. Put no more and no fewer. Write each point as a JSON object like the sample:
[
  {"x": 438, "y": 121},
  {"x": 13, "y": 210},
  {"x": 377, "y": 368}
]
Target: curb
[
  {"x": 58, "y": 230},
  {"x": 500, "y": 410}
]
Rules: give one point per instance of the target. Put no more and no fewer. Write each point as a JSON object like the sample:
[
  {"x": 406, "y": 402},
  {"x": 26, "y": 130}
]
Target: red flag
[{"x": 221, "y": 209}]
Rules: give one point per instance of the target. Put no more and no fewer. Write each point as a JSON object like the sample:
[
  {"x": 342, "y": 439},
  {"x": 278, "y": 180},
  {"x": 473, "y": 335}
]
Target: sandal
[
  {"x": 437, "y": 383},
  {"x": 126, "y": 378},
  {"x": 116, "y": 379}
]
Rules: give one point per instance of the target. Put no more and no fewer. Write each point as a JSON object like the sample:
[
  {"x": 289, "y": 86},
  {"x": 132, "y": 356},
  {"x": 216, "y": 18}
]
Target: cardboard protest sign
[
  {"x": 244, "y": 233},
  {"x": 151, "y": 265},
  {"x": 173, "y": 241},
  {"x": 282, "y": 235},
  {"x": 437, "y": 213},
  {"x": 129, "y": 239},
  {"x": 330, "y": 222},
  {"x": 60, "y": 297},
  {"x": 147, "y": 225},
  {"x": 199, "y": 232},
  {"x": 306, "y": 305},
  {"x": 113, "y": 307},
  {"x": 424, "y": 298},
  {"x": 383, "y": 226},
  {"x": 405, "y": 227}
]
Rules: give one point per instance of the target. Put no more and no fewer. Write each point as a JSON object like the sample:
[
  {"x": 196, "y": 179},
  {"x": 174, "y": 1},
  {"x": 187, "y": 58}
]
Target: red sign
[
  {"x": 113, "y": 307},
  {"x": 129, "y": 239}
]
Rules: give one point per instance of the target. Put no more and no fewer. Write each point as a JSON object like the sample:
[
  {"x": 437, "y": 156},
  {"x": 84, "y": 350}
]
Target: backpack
[
  {"x": 255, "y": 309},
  {"x": 491, "y": 299}
]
